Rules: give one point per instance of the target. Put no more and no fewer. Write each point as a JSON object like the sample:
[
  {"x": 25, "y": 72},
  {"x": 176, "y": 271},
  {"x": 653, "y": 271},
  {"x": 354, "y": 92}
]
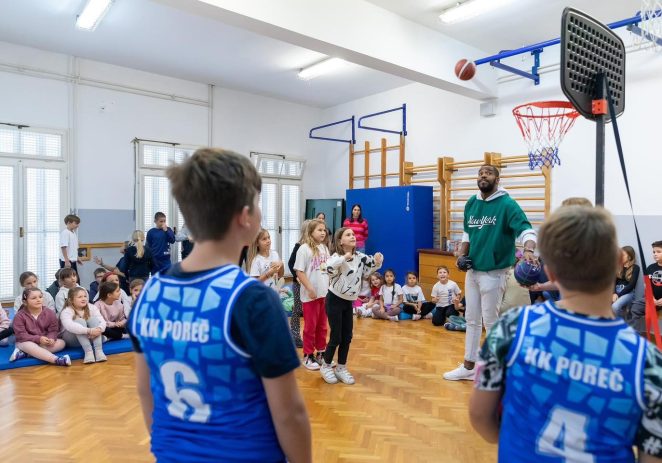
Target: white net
[
  {"x": 650, "y": 27},
  {"x": 543, "y": 126}
]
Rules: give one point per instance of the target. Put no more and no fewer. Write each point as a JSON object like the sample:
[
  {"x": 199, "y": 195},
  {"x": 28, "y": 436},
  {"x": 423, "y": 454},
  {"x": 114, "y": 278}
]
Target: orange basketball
[{"x": 465, "y": 69}]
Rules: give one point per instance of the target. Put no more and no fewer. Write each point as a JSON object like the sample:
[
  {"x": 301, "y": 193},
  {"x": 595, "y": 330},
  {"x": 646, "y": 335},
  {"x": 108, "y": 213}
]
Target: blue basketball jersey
[
  {"x": 573, "y": 389},
  {"x": 209, "y": 404}
]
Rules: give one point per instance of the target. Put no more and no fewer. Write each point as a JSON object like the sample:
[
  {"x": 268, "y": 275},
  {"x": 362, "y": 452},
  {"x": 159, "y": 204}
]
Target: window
[
  {"x": 153, "y": 189},
  {"x": 27, "y": 142},
  {"x": 32, "y": 204},
  {"x": 281, "y": 200}
]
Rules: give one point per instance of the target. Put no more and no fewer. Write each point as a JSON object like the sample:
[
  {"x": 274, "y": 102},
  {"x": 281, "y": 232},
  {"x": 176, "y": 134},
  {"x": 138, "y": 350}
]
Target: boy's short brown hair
[
  {"x": 579, "y": 245},
  {"x": 657, "y": 244},
  {"x": 136, "y": 282},
  {"x": 159, "y": 215},
  {"x": 577, "y": 201},
  {"x": 211, "y": 187},
  {"x": 71, "y": 218},
  {"x": 66, "y": 272},
  {"x": 443, "y": 267}
]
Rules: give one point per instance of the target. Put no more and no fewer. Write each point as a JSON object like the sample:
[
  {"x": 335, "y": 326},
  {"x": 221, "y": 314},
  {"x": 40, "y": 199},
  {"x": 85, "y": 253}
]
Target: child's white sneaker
[
  {"x": 428, "y": 316},
  {"x": 101, "y": 357},
  {"x": 343, "y": 374},
  {"x": 89, "y": 357},
  {"x": 328, "y": 374},
  {"x": 310, "y": 363},
  {"x": 460, "y": 373},
  {"x": 393, "y": 318},
  {"x": 416, "y": 317}
]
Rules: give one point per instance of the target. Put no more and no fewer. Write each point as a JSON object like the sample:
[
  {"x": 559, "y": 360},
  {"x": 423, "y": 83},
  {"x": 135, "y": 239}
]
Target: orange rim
[{"x": 572, "y": 113}]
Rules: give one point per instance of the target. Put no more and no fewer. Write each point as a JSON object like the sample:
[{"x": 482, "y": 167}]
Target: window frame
[{"x": 63, "y": 134}]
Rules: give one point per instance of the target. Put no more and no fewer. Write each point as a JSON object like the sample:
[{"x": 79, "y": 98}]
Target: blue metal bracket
[
  {"x": 402, "y": 108},
  {"x": 534, "y": 76},
  {"x": 536, "y": 49},
  {"x": 352, "y": 141}
]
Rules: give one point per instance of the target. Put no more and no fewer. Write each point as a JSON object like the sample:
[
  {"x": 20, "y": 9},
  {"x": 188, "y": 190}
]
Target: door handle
[{"x": 21, "y": 232}]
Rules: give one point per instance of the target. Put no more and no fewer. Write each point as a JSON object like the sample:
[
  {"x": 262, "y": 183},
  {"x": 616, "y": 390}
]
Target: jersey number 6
[{"x": 174, "y": 373}]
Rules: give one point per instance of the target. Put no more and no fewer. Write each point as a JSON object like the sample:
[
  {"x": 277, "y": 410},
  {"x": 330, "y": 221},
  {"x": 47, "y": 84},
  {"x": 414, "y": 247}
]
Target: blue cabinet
[{"x": 400, "y": 222}]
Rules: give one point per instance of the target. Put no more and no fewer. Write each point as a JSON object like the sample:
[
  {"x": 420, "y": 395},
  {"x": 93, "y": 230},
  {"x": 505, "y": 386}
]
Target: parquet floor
[{"x": 399, "y": 410}]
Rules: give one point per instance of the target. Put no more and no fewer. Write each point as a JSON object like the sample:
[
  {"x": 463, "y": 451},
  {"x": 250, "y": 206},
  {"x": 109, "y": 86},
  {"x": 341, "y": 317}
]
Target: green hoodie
[{"x": 493, "y": 226}]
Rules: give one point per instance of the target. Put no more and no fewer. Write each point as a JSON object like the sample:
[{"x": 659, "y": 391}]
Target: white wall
[{"x": 114, "y": 105}]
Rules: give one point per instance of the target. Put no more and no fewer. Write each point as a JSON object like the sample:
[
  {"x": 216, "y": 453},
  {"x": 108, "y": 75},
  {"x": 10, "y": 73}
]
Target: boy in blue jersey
[
  {"x": 214, "y": 343},
  {"x": 575, "y": 383},
  {"x": 158, "y": 241}
]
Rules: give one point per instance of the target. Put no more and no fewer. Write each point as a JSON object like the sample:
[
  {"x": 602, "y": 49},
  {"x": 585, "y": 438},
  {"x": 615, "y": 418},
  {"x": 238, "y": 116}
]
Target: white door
[{"x": 31, "y": 213}]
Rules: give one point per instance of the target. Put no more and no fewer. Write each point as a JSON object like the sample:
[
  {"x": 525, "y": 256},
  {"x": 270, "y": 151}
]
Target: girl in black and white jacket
[{"x": 347, "y": 268}]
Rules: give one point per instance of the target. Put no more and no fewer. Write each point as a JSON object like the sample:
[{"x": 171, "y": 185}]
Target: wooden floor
[{"x": 399, "y": 410}]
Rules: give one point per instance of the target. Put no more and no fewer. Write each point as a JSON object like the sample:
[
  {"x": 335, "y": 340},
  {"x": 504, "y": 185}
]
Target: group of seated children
[
  {"x": 44, "y": 325},
  {"x": 381, "y": 297}
]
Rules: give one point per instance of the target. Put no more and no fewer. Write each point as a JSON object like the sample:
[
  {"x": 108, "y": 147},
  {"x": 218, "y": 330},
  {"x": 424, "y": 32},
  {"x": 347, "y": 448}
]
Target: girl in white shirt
[
  {"x": 347, "y": 268},
  {"x": 30, "y": 280},
  {"x": 263, "y": 262},
  {"x": 390, "y": 298},
  {"x": 310, "y": 266},
  {"x": 83, "y": 325}
]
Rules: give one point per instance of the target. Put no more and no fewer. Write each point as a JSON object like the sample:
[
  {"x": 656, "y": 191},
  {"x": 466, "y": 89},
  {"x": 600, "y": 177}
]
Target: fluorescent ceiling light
[
  {"x": 323, "y": 67},
  {"x": 92, "y": 14},
  {"x": 469, "y": 9}
]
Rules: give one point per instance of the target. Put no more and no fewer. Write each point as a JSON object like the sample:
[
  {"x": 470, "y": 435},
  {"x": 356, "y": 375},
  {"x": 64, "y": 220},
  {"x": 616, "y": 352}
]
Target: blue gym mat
[{"x": 76, "y": 353}]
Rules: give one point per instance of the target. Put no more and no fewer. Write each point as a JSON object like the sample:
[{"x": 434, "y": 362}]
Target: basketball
[
  {"x": 465, "y": 69},
  {"x": 526, "y": 273}
]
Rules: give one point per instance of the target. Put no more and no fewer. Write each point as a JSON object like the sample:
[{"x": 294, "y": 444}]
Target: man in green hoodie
[{"x": 493, "y": 222}]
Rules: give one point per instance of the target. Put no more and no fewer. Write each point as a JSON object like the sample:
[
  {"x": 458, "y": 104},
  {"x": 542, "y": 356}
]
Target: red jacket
[
  {"x": 26, "y": 328},
  {"x": 360, "y": 231}
]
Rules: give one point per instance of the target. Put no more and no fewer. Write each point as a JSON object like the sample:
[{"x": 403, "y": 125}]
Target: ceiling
[
  {"x": 520, "y": 23},
  {"x": 152, "y": 37}
]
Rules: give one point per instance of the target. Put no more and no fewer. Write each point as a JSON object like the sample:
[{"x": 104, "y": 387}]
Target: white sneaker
[
  {"x": 18, "y": 354},
  {"x": 310, "y": 363},
  {"x": 428, "y": 316},
  {"x": 89, "y": 357},
  {"x": 460, "y": 373},
  {"x": 393, "y": 318},
  {"x": 344, "y": 375},
  {"x": 416, "y": 317},
  {"x": 328, "y": 374}
]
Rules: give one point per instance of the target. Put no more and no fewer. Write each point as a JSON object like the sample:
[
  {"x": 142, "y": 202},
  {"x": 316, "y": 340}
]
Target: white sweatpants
[{"x": 483, "y": 295}]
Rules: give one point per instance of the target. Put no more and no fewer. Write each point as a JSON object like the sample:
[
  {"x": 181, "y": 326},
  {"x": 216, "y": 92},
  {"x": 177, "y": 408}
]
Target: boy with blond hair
[{"x": 566, "y": 381}]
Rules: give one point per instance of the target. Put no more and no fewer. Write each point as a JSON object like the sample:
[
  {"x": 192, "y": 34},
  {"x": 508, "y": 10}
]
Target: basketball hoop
[
  {"x": 543, "y": 125},
  {"x": 650, "y": 25}
]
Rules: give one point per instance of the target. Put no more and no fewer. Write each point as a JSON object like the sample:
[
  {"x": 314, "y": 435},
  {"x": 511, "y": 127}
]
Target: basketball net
[
  {"x": 543, "y": 125},
  {"x": 650, "y": 25}
]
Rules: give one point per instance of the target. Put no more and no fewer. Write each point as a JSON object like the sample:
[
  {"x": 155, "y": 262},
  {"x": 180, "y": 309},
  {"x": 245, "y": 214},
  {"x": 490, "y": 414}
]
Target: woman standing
[{"x": 359, "y": 226}]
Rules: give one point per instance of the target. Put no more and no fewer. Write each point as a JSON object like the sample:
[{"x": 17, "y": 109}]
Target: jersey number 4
[
  {"x": 564, "y": 436},
  {"x": 180, "y": 383}
]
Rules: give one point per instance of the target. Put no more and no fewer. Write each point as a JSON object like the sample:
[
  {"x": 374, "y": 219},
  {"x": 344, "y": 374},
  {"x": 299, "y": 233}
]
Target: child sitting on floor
[
  {"x": 83, "y": 326},
  {"x": 36, "y": 329}
]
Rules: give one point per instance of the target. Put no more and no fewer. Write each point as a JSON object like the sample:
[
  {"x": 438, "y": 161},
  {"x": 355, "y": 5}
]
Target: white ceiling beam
[{"x": 358, "y": 32}]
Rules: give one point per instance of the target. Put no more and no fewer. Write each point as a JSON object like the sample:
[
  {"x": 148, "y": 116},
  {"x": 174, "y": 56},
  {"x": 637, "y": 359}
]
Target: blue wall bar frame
[
  {"x": 352, "y": 141},
  {"x": 537, "y": 48},
  {"x": 402, "y": 108}
]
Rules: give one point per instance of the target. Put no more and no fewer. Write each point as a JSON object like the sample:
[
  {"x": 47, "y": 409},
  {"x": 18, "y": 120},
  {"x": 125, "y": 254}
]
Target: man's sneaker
[
  {"x": 63, "y": 361},
  {"x": 393, "y": 318},
  {"x": 310, "y": 363},
  {"x": 460, "y": 373},
  {"x": 344, "y": 375},
  {"x": 416, "y": 317},
  {"x": 89, "y": 357},
  {"x": 328, "y": 374},
  {"x": 18, "y": 354}
]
